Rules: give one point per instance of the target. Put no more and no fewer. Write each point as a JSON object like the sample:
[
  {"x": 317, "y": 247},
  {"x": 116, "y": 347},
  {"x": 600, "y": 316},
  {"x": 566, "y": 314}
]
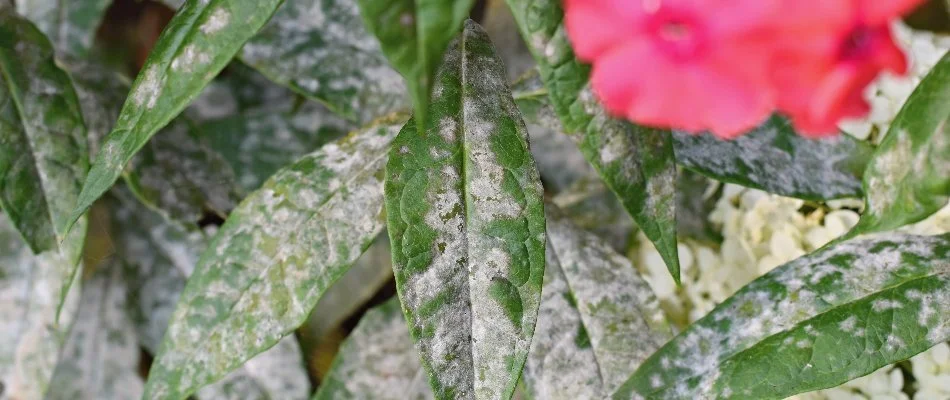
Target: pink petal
[
  {"x": 595, "y": 26},
  {"x": 876, "y": 12}
]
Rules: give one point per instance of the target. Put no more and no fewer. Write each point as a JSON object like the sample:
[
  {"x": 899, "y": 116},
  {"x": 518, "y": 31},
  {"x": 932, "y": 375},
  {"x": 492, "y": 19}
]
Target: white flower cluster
[{"x": 762, "y": 231}]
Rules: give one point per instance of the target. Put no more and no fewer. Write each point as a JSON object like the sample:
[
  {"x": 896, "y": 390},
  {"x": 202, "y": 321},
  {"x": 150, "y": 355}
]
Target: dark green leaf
[
  {"x": 635, "y": 162},
  {"x": 814, "y": 323},
  {"x": 908, "y": 178},
  {"x": 466, "y": 221},
  {"x": 199, "y": 41},
  {"x": 414, "y": 34},
  {"x": 272, "y": 260}
]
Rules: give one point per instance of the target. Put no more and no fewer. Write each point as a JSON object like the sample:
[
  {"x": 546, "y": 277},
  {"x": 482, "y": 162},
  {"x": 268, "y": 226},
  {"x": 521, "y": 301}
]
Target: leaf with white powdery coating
[
  {"x": 321, "y": 49},
  {"x": 32, "y": 337},
  {"x": 816, "y": 322},
  {"x": 377, "y": 361},
  {"x": 908, "y": 178},
  {"x": 466, "y": 222},
  {"x": 70, "y": 24},
  {"x": 635, "y": 162},
  {"x": 273, "y": 259},
  {"x": 413, "y": 35},
  {"x": 43, "y": 155},
  {"x": 598, "y": 320},
  {"x": 199, "y": 41}
]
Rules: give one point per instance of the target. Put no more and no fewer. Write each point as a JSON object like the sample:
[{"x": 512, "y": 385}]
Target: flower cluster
[{"x": 725, "y": 65}]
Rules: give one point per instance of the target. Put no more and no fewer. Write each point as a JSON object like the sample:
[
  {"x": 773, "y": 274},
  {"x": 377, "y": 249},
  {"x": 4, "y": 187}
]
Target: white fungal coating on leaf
[
  {"x": 217, "y": 21},
  {"x": 149, "y": 87}
]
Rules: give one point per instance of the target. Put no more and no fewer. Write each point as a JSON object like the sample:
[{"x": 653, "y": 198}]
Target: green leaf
[
  {"x": 176, "y": 172},
  {"x": 257, "y": 144},
  {"x": 413, "y": 35},
  {"x": 238, "y": 90},
  {"x": 43, "y": 155},
  {"x": 696, "y": 198},
  {"x": 100, "y": 359},
  {"x": 594, "y": 208},
  {"x": 908, "y": 178},
  {"x": 598, "y": 321},
  {"x": 160, "y": 255},
  {"x": 466, "y": 221},
  {"x": 199, "y": 41},
  {"x": 377, "y": 361},
  {"x": 29, "y": 298},
  {"x": 321, "y": 48},
  {"x": 817, "y": 322},
  {"x": 272, "y": 260},
  {"x": 70, "y": 24},
  {"x": 774, "y": 158},
  {"x": 635, "y": 162}
]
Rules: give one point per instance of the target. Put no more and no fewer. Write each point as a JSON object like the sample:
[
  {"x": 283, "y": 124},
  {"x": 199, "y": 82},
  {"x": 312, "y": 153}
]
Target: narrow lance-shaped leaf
[
  {"x": 908, "y": 178},
  {"x": 466, "y": 221},
  {"x": 32, "y": 335},
  {"x": 43, "y": 154},
  {"x": 598, "y": 321},
  {"x": 635, "y": 162},
  {"x": 159, "y": 254},
  {"x": 772, "y": 157},
  {"x": 377, "y": 361},
  {"x": 199, "y": 41},
  {"x": 321, "y": 48},
  {"x": 814, "y": 323},
  {"x": 70, "y": 24},
  {"x": 101, "y": 357},
  {"x": 272, "y": 260},
  {"x": 414, "y": 35}
]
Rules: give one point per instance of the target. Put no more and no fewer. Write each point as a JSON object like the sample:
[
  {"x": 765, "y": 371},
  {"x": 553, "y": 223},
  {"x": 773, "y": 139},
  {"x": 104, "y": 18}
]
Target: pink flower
[
  {"x": 831, "y": 51},
  {"x": 692, "y": 65}
]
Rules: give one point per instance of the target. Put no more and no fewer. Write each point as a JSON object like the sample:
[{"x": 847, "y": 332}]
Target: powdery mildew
[
  {"x": 270, "y": 263},
  {"x": 811, "y": 286},
  {"x": 343, "y": 66},
  {"x": 598, "y": 320},
  {"x": 70, "y": 25},
  {"x": 464, "y": 203}
]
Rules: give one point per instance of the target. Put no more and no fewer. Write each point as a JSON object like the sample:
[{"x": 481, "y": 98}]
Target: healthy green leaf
[
  {"x": 814, "y": 323},
  {"x": 598, "y": 318},
  {"x": 101, "y": 356},
  {"x": 377, "y": 361},
  {"x": 199, "y": 41},
  {"x": 176, "y": 172},
  {"x": 43, "y": 155},
  {"x": 908, "y": 178},
  {"x": 272, "y": 260},
  {"x": 774, "y": 158},
  {"x": 257, "y": 144},
  {"x": 31, "y": 336},
  {"x": 159, "y": 255},
  {"x": 466, "y": 221},
  {"x": 70, "y": 24},
  {"x": 635, "y": 162},
  {"x": 414, "y": 34},
  {"x": 321, "y": 48}
]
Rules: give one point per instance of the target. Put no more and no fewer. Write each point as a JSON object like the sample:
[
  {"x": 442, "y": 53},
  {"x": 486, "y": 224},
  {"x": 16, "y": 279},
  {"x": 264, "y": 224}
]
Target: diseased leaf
[
  {"x": 817, "y": 322},
  {"x": 908, "y": 178},
  {"x": 598, "y": 318},
  {"x": 377, "y": 361},
  {"x": 320, "y": 48},
  {"x": 696, "y": 198},
  {"x": 199, "y": 41},
  {"x": 774, "y": 158},
  {"x": 69, "y": 24},
  {"x": 593, "y": 208},
  {"x": 101, "y": 356},
  {"x": 370, "y": 272},
  {"x": 176, "y": 172},
  {"x": 272, "y": 260},
  {"x": 43, "y": 155},
  {"x": 160, "y": 255},
  {"x": 466, "y": 221},
  {"x": 240, "y": 89},
  {"x": 413, "y": 35},
  {"x": 31, "y": 336},
  {"x": 635, "y": 162},
  {"x": 257, "y": 144}
]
